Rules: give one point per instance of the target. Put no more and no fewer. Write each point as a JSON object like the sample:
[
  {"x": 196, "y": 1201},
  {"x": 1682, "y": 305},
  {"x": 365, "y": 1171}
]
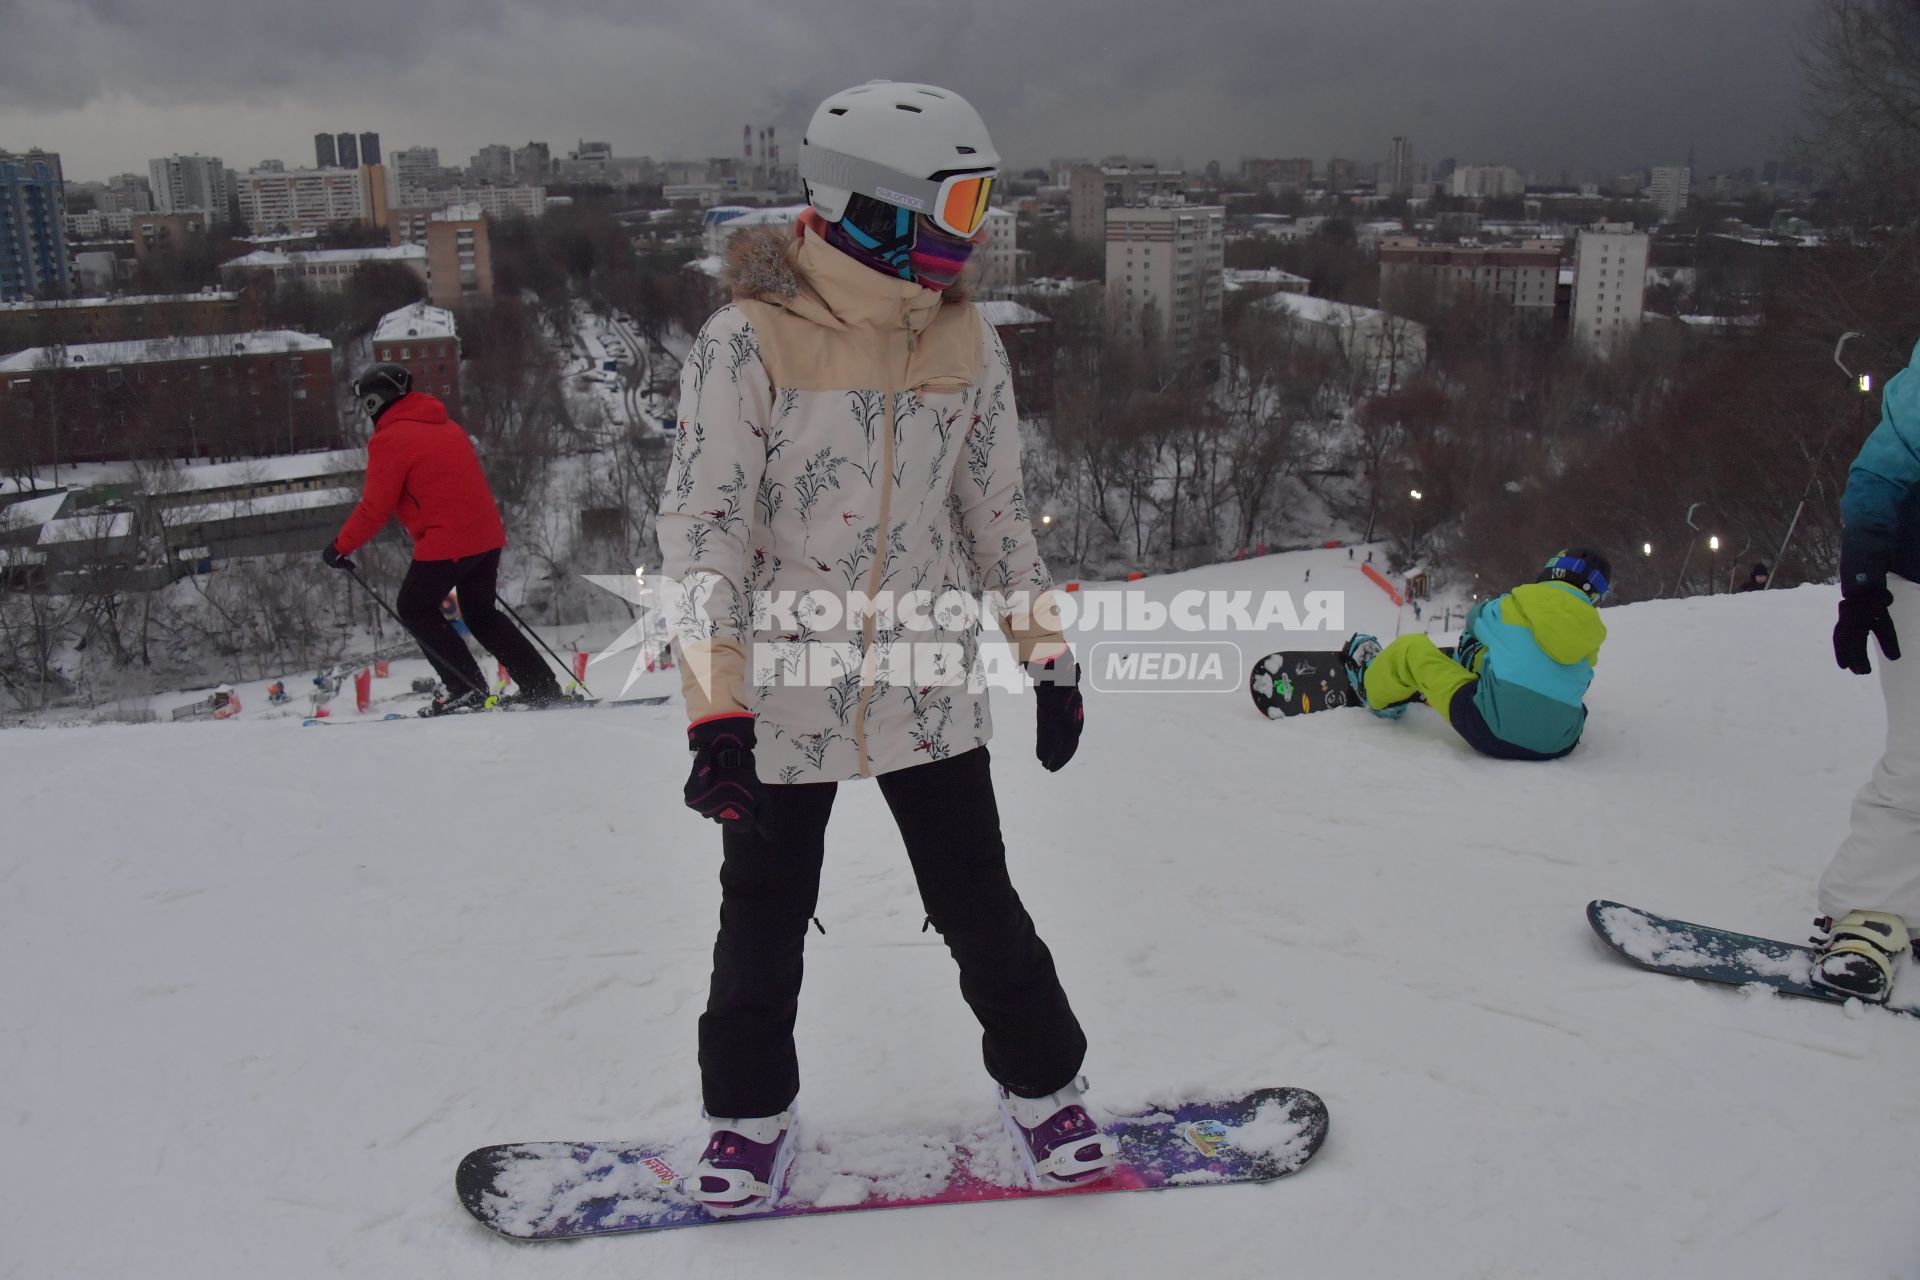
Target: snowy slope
[{"x": 266, "y": 984}]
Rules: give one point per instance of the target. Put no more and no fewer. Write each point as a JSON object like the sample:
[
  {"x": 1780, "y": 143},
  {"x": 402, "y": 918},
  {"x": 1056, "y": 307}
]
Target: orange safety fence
[{"x": 1393, "y": 592}]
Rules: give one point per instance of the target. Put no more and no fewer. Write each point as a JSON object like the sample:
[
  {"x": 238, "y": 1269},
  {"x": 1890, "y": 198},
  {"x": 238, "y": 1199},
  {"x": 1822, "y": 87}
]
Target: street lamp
[
  {"x": 1713, "y": 573},
  {"x": 1646, "y": 548},
  {"x": 1415, "y": 494}
]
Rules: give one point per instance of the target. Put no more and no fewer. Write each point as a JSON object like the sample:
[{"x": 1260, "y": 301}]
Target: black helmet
[
  {"x": 1581, "y": 567},
  {"x": 380, "y": 386}
]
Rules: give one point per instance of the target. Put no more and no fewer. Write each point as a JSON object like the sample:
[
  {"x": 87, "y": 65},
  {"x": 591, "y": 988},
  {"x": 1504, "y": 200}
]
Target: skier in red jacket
[{"x": 421, "y": 467}]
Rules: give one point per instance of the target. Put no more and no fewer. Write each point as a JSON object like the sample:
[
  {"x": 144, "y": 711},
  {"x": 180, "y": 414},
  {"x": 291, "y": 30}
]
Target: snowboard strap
[
  {"x": 741, "y": 1186},
  {"x": 1067, "y": 1164},
  {"x": 1877, "y": 936}
]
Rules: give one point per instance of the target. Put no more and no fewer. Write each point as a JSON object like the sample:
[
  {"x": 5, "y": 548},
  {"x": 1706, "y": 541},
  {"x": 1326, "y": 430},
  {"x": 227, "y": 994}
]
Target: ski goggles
[{"x": 954, "y": 202}]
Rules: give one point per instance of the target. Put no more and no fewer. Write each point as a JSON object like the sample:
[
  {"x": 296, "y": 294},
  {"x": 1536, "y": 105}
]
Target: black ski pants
[
  {"x": 769, "y": 885},
  {"x": 426, "y": 585}
]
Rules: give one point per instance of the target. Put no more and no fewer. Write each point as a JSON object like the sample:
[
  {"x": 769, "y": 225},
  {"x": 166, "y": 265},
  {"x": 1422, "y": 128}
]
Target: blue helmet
[{"x": 1581, "y": 567}]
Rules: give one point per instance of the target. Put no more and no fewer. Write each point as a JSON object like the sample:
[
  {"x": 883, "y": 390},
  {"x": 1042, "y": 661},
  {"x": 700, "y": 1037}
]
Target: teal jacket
[
  {"x": 1539, "y": 646},
  {"x": 1880, "y": 511}
]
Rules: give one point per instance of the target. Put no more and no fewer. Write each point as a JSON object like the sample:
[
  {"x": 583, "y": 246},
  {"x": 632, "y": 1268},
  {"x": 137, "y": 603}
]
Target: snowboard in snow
[
  {"x": 1300, "y": 682},
  {"x": 1716, "y": 955},
  {"x": 580, "y": 704},
  {"x": 564, "y": 1190}
]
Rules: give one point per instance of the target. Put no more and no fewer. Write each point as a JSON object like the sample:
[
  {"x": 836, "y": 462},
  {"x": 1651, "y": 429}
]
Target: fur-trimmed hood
[{"x": 766, "y": 263}]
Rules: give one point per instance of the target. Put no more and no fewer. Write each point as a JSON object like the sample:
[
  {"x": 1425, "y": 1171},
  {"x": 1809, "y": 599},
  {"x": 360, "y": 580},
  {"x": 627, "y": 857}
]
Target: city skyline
[{"x": 1589, "y": 86}]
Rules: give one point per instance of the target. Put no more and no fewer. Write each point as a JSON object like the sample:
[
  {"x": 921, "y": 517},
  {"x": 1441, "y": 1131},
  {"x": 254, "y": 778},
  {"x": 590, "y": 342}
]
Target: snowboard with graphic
[
  {"x": 1300, "y": 682},
  {"x": 1717, "y": 955},
  {"x": 564, "y": 1190}
]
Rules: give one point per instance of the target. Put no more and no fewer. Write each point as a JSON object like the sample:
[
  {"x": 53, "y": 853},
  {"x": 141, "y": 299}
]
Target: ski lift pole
[
  {"x": 430, "y": 651},
  {"x": 565, "y": 670}
]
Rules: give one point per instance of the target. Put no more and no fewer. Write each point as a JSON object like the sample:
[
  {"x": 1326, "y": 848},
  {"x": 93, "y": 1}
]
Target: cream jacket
[{"x": 855, "y": 436}]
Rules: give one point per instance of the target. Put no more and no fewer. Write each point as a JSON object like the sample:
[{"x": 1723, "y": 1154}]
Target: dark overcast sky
[{"x": 1601, "y": 84}]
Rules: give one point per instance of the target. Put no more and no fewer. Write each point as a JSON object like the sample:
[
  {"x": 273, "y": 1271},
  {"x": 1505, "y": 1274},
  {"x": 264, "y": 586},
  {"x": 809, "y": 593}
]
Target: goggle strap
[{"x": 823, "y": 166}]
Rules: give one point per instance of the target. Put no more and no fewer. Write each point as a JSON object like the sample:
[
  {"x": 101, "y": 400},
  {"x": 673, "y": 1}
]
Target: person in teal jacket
[
  {"x": 1515, "y": 687},
  {"x": 1870, "y": 892}
]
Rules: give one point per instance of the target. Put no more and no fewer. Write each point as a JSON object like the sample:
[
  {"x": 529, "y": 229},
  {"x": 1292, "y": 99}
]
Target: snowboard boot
[
  {"x": 451, "y": 705},
  {"x": 745, "y": 1166},
  {"x": 1059, "y": 1143},
  {"x": 1357, "y": 655},
  {"x": 1856, "y": 958}
]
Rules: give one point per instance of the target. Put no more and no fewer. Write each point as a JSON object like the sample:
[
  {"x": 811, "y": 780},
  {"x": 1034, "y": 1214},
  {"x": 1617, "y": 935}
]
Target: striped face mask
[{"x": 896, "y": 242}]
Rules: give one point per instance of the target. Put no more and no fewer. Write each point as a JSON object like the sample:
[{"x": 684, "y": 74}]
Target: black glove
[
  {"x": 1864, "y": 613},
  {"x": 1061, "y": 712},
  {"x": 723, "y": 785},
  {"x": 334, "y": 560}
]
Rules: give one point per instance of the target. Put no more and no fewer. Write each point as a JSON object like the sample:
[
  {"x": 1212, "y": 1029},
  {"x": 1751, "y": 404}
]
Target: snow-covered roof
[
  {"x": 271, "y": 258},
  {"x": 421, "y": 320},
  {"x": 1240, "y": 278},
  {"x": 100, "y": 524},
  {"x": 1320, "y": 310},
  {"x": 272, "y": 504},
  {"x": 1710, "y": 322},
  {"x": 131, "y": 300},
  {"x": 284, "y": 469},
  {"x": 32, "y": 512},
  {"x": 1000, "y": 313},
  {"x": 99, "y": 355}
]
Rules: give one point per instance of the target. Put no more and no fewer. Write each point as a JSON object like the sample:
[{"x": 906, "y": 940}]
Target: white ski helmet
[{"x": 916, "y": 146}]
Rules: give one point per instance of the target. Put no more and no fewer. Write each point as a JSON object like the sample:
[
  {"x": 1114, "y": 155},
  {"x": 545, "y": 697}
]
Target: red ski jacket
[{"x": 421, "y": 467}]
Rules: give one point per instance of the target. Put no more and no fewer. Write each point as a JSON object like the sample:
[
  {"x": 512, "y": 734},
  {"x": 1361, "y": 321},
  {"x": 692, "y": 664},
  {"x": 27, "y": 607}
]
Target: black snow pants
[
  {"x": 427, "y": 584},
  {"x": 769, "y": 884}
]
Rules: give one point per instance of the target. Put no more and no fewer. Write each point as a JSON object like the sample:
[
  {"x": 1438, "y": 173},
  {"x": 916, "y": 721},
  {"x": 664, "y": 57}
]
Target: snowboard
[
  {"x": 1716, "y": 955},
  {"x": 569, "y": 704},
  {"x": 566, "y": 1190},
  {"x": 1300, "y": 682}
]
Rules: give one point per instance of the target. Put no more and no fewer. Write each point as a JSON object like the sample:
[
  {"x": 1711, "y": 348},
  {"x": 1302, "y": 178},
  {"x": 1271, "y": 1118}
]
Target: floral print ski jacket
[{"x": 847, "y": 439}]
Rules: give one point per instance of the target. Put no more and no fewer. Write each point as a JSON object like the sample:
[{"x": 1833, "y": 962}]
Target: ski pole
[
  {"x": 521, "y": 623},
  {"x": 431, "y": 652}
]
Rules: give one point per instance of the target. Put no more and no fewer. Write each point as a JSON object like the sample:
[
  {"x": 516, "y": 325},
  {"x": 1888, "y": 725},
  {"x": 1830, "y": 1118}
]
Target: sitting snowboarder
[{"x": 1514, "y": 686}]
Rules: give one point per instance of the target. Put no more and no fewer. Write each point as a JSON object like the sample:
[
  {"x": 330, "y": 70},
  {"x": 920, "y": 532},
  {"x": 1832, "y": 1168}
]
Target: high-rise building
[
  {"x": 1094, "y": 189},
  {"x": 491, "y": 165},
  {"x": 182, "y": 184},
  {"x": 127, "y": 193},
  {"x": 533, "y": 162},
  {"x": 33, "y": 233},
  {"x": 1486, "y": 181},
  {"x": 1669, "y": 189},
  {"x": 1339, "y": 174},
  {"x": 302, "y": 200},
  {"x": 1165, "y": 268},
  {"x": 416, "y": 168},
  {"x": 459, "y": 252},
  {"x": 998, "y": 259},
  {"x": 369, "y": 148},
  {"x": 349, "y": 148},
  {"x": 1609, "y": 286},
  {"x": 325, "y": 154},
  {"x": 1294, "y": 174},
  {"x": 1399, "y": 167}
]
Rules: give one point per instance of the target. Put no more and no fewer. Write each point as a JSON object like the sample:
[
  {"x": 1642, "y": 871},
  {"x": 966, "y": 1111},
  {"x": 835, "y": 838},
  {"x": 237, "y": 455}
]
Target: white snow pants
[{"x": 1877, "y": 867}]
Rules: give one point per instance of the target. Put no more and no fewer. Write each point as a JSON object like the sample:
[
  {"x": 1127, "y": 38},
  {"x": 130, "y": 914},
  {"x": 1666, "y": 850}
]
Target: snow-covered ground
[{"x": 266, "y": 984}]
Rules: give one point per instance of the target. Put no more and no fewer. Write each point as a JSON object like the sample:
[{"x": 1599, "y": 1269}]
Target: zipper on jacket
[{"x": 868, "y": 661}]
